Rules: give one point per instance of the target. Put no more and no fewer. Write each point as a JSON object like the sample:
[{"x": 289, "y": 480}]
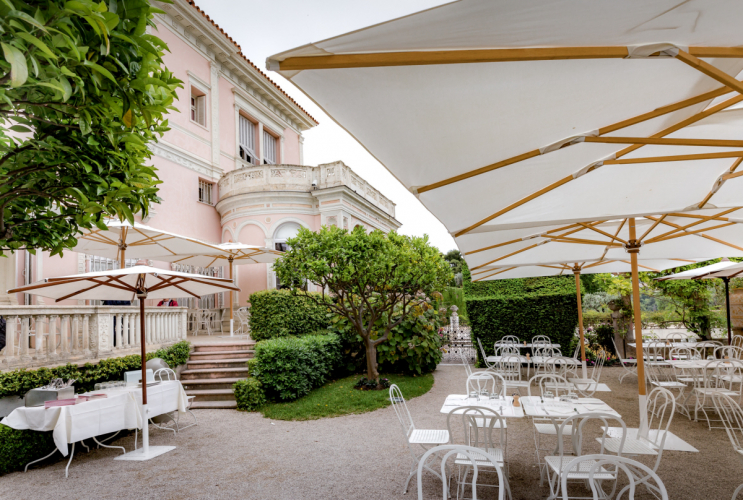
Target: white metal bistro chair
[
  {"x": 596, "y": 467},
  {"x": 424, "y": 438},
  {"x": 510, "y": 339},
  {"x": 242, "y": 314},
  {"x": 670, "y": 378},
  {"x": 466, "y": 363},
  {"x": 491, "y": 366},
  {"x": 629, "y": 365},
  {"x": 510, "y": 370},
  {"x": 737, "y": 341},
  {"x": 587, "y": 387},
  {"x": 541, "y": 340},
  {"x": 718, "y": 376},
  {"x": 485, "y": 384},
  {"x": 484, "y": 429},
  {"x": 558, "y": 466},
  {"x": 550, "y": 385},
  {"x": 732, "y": 418},
  {"x": 477, "y": 460},
  {"x": 728, "y": 352}
]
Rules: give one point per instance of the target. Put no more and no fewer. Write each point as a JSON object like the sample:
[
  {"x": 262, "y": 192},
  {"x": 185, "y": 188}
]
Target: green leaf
[
  {"x": 25, "y": 17},
  {"x": 100, "y": 69},
  {"x": 18, "y": 68},
  {"x": 38, "y": 43}
]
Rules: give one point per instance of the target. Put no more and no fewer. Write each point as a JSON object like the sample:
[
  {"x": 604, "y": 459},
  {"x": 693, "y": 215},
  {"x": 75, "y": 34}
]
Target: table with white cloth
[
  {"x": 503, "y": 407},
  {"x": 120, "y": 410},
  {"x": 535, "y": 406}
]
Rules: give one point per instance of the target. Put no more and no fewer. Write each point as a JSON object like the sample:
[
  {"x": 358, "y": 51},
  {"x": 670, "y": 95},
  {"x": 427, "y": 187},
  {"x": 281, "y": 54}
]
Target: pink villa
[{"x": 231, "y": 165}]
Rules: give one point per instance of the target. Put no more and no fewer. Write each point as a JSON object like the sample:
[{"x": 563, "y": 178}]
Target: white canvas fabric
[
  {"x": 118, "y": 284},
  {"x": 691, "y": 236},
  {"x": 458, "y": 118},
  {"x": 142, "y": 242},
  {"x": 241, "y": 253},
  {"x": 725, "y": 269}
]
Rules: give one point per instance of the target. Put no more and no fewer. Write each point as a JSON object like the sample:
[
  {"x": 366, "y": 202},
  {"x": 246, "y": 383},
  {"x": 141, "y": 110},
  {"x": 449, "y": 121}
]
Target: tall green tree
[
  {"x": 369, "y": 276},
  {"x": 82, "y": 92}
]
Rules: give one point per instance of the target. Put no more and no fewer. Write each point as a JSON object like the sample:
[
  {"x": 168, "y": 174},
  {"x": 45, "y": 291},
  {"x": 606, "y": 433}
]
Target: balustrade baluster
[
  {"x": 52, "y": 336},
  {"x": 86, "y": 333},
  {"x": 118, "y": 330},
  {"x": 64, "y": 328},
  {"x": 137, "y": 332},
  {"x": 148, "y": 326},
  {"x": 10, "y": 325},
  {"x": 23, "y": 343},
  {"x": 124, "y": 330},
  {"x": 75, "y": 333}
]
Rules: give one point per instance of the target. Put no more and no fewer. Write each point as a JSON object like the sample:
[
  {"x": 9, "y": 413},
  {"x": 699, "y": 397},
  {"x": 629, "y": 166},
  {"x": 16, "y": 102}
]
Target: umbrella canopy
[
  {"x": 232, "y": 253},
  {"x": 516, "y": 113},
  {"x": 126, "y": 284},
  {"x": 138, "y": 241},
  {"x": 723, "y": 270}
]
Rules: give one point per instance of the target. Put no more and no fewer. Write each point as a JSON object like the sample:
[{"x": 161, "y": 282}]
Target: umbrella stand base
[{"x": 152, "y": 452}]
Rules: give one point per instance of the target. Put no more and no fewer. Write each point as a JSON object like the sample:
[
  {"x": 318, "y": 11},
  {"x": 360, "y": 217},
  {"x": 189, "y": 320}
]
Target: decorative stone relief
[
  {"x": 332, "y": 220},
  {"x": 331, "y": 171},
  {"x": 345, "y": 222}
]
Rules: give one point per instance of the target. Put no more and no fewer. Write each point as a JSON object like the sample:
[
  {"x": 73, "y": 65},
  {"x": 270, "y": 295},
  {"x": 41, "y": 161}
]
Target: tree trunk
[{"x": 371, "y": 362}]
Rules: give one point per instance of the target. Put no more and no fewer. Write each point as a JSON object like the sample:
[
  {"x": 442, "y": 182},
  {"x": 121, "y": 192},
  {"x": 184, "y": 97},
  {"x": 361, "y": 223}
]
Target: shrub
[
  {"x": 413, "y": 347},
  {"x": 249, "y": 394},
  {"x": 455, "y": 297},
  {"x": 17, "y": 448},
  {"x": 19, "y": 382},
  {"x": 290, "y": 367},
  {"x": 525, "y": 308},
  {"x": 279, "y": 313}
]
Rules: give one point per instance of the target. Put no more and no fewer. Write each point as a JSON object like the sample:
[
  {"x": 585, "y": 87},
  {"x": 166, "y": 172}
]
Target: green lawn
[{"x": 338, "y": 398}]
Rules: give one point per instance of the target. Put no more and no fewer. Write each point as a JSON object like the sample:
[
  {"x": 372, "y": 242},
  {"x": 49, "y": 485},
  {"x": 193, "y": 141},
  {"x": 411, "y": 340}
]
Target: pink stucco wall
[{"x": 291, "y": 147}]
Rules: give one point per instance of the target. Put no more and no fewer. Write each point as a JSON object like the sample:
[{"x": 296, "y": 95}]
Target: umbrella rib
[
  {"x": 697, "y": 231},
  {"x": 640, "y": 265},
  {"x": 571, "y": 226},
  {"x": 98, "y": 283},
  {"x": 655, "y": 224},
  {"x": 602, "y": 131},
  {"x": 706, "y": 236},
  {"x": 663, "y": 141},
  {"x": 615, "y": 237},
  {"x": 599, "y": 263},
  {"x": 499, "y": 272},
  {"x": 710, "y": 70},
  {"x": 175, "y": 285},
  {"x": 469, "y": 56},
  {"x": 683, "y": 123},
  {"x": 581, "y": 241},
  {"x": 718, "y": 184},
  {"x": 659, "y": 159},
  {"x": 699, "y": 221},
  {"x": 615, "y": 234}
]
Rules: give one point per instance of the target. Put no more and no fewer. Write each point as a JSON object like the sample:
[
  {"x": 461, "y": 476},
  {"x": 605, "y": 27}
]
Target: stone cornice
[
  {"x": 359, "y": 206},
  {"x": 183, "y": 158}
]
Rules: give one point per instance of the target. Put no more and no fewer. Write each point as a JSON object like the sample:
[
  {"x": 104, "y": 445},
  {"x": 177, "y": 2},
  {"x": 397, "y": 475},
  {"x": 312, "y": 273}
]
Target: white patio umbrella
[
  {"x": 140, "y": 282},
  {"x": 138, "y": 241},
  {"x": 723, "y": 270},
  {"x": 232, "y": 253},
  {"x": 578, "y": 268},
  {"x": 519, "y": 113}
]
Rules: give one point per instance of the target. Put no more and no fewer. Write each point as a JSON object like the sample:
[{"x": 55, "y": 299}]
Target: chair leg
[
  {"x": 67, "y": 469},
  {"x": 55, "y": 450},
  {"x": 123, "y": 450},
  {"x": 737, "y": 491}
]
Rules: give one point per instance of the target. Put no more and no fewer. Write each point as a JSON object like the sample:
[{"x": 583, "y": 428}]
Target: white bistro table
[
  {"x": 535, "y": 406},
  {"x": 504, "y": 408},
  {"x": 120, "y": 410}
]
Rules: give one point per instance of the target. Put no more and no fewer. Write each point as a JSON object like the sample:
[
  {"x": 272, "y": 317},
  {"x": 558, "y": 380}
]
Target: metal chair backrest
[
  {"x": 723, "y": 374},
  {"x": 577, "y": 426},
  {"x": 616, "y": 350},
  {"x": 635, "y": 472},
  {"x": 466, "y": 363},
  {"x": 677, "y": 337},
  {"x": 727, "y": 352},
  {"x": 731, "y": 415},
  {"x": 509, "y": 367},
  {"x": 486, "y": 383},
  {"x": 484, "y": 356},
  {"x": 164, "y": 374},
  {"x": 541, "y": 340},
  {"x": 478, "y": 424},
  {"x": 737, "y": 341},
  {"x": 555, "y": 384},
  {"x": 511, "y": 339},
  {"x": 598, "y": 366},
  {"x": 576, "y": 353},
  {"x": 505, "y": 349},
  {"x": 456, "y": 451},
  {"x": 401, "y": 410},
  {"x": 681, "y": 353},
  {"x": 661, "y": 408}
]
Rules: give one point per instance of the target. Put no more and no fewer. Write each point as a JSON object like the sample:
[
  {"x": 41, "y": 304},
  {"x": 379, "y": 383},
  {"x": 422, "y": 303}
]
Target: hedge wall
[
  {"x": 523, "y": 307},
  {"x": 279, "y": 313}
]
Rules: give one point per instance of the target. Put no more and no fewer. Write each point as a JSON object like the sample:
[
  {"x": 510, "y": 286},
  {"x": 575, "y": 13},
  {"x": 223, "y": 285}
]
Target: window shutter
[
  {"x": 247, "y": 140},
  {"x": 269, "y": 148}
]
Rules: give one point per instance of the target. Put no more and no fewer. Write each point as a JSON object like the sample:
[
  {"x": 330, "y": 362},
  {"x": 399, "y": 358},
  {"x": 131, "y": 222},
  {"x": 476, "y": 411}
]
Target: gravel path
[{"x": 242, "y": 455}]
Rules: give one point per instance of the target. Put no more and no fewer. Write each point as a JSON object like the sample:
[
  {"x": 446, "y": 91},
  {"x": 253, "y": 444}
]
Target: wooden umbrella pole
[
  {"x": 576, "y": 271},
  {"x": 143, "y": 351},
  {"x": 232, "y": 322},
  {"x": 727, "y": 306},
  {"x": 633, "y": 247}
]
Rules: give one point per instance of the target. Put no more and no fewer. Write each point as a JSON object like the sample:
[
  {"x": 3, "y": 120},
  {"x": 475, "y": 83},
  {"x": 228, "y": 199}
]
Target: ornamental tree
[
  {"x": 368, "y": 277},
  {"x": 82, "y": 93}
]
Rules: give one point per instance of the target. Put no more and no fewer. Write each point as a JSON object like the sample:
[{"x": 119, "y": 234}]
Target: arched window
[{"x": 283, "y": 233}]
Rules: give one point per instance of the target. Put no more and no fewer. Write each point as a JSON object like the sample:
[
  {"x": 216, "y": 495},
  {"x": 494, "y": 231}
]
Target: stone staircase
[{"x": 212, "y": 369}]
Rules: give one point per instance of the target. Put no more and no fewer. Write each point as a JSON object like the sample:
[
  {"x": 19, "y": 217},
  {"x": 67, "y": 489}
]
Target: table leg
[
  {"x": 67, "y": 469},
  {"x": 106, "y": 446}
]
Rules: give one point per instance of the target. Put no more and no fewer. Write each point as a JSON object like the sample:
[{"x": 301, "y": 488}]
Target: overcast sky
[{"x": 265, "y": 28}]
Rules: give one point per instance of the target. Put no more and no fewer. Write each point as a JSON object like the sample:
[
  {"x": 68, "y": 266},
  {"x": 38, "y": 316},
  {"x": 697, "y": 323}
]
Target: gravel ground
[{"x": 242, "y": 455}]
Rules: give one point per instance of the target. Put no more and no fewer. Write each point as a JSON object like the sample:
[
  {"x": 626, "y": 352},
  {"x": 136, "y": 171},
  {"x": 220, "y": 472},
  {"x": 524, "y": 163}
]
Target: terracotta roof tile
[{"x": 193, "y": 4}]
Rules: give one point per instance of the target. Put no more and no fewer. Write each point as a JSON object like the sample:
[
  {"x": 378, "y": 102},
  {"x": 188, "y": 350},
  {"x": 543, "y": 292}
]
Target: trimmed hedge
[
  {"x": 290, "y": 367},
  {"x": 525, "y": 308},
  {"x": 249, "y": 394},
  {"x": 19, "y": 382},
  {"x": 279, "y": 313},
  {"x": 17, "y": 448}
]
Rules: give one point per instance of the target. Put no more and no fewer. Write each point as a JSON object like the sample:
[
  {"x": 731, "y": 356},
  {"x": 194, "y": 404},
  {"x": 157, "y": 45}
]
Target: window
[
  {"x": 198, "y": 106},
  {"x": 205, "y": 192},
  {"x": 269, "y": 148},
  {"x": 247, "y": 140},
  {"x": 283, "y": 233}
]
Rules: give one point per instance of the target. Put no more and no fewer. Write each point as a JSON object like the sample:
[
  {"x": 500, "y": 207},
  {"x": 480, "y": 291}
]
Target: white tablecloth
[
  {"x": 504, "y": 408},
  {"x": 120, "y": 410}
]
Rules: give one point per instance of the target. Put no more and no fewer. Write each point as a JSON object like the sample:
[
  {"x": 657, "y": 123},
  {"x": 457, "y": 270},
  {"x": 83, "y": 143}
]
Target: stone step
[
  {"x": 214, "y": 405},
  {"x": 224, "y": 346},
  {"x": 214, "y": 373},
  {"x": 216, "y": 363},
  {"x": 209, "y": 383},
  {"x": 211, "y": 394},
  {"x": 197, "y": 356}
]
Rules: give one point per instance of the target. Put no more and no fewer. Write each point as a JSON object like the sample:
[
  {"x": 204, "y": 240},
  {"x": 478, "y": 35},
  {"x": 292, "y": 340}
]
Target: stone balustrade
[{"x": 55, "y": 335}]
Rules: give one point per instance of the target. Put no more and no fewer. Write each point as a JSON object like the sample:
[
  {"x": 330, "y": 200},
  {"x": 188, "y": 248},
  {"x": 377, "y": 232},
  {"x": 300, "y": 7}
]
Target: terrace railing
[{"x": 55, "y": 335}]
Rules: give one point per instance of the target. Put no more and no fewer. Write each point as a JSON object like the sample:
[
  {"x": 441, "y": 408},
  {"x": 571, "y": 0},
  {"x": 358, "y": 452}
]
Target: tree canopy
[
  {"x": 82, "y": 92},
  {"x": 375, "y": 280}
]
